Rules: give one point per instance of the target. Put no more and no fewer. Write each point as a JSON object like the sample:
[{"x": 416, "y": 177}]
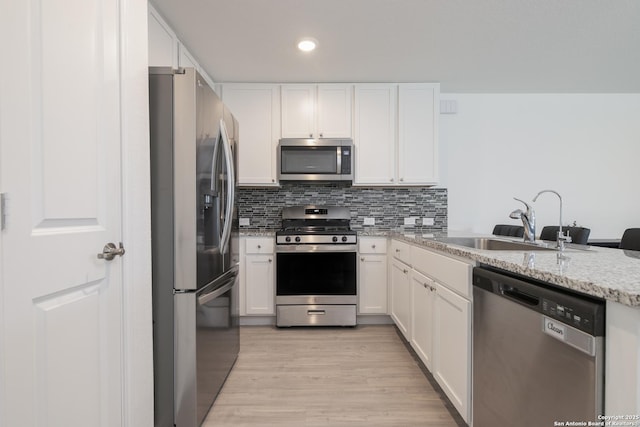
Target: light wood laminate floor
[{"x": 307, "y": 377}]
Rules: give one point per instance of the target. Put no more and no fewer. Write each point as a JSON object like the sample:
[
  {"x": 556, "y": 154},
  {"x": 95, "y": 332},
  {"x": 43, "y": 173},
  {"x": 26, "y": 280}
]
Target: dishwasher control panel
[
  {"x": 571, "y": 308},
  {"x": 569, "y": 314}
]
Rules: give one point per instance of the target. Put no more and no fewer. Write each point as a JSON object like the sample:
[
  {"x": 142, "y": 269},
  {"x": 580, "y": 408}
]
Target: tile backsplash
[{"x": 389, "y": 206}]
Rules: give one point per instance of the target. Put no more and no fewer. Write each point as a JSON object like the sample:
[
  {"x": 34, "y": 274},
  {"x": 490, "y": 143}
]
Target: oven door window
[
  {"x": 309, "y": 160},
  {"x": 317, "y": 273}
]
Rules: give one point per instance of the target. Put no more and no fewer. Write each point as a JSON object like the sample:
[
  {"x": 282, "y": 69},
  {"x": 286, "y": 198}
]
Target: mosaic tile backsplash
[{"x": 389, "y": 206}]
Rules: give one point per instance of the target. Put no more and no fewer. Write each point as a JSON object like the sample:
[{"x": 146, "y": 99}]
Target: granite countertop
[{"x": 611, "y": 274}]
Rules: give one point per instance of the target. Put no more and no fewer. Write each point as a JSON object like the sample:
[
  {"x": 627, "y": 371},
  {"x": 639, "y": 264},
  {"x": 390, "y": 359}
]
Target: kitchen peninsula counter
[{"x": 611, "y": 274}]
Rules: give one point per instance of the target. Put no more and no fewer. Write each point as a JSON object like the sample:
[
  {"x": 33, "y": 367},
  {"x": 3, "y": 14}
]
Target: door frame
[{"x": 136, "y": 215}]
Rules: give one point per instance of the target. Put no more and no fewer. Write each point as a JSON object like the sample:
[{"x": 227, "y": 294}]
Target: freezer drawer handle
[
  {"x": 315, "y": 312},
  {"x": 202, "y": 300}
]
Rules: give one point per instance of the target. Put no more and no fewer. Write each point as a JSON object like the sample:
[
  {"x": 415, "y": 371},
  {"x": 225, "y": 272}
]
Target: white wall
[{"x": 585, "y": 146}]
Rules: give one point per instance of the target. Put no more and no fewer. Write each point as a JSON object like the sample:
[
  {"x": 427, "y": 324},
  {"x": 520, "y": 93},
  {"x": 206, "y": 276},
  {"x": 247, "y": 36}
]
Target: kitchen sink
[{"x": 490, "y": 244}]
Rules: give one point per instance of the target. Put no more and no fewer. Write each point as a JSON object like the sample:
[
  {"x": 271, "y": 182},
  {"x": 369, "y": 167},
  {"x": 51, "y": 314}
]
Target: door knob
[{"x": 110, "y": 251}]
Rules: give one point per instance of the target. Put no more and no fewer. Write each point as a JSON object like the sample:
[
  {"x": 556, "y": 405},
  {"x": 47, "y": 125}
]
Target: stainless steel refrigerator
[{"x": 194, "y": 241}]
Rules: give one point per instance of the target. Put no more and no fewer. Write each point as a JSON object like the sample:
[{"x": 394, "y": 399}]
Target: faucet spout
[
  {"x": 561, "y": 239},
  {"x": 528, "y": 220}
]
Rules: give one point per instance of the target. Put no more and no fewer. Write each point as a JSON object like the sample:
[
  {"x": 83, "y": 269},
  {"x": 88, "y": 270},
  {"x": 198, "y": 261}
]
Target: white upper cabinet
[
  {"x": 257, "y": 109},
  {"x": 317, "y": 111},
  {"x": 334, "y": 111},
  {"x": 375, "y": 133},
  {"x": 418, "y": 110},
  {"x": 163, "y": 43},
  {"x": 396, "y": 134},
  {"x": 166, "y": 50}
]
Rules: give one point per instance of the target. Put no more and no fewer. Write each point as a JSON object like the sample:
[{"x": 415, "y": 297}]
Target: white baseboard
[{"x": 362, "y": 319}]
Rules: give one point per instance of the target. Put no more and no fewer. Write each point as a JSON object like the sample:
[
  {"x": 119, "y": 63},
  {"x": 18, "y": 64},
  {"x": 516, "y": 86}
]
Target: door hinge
[{"x": 3, "y": 211}]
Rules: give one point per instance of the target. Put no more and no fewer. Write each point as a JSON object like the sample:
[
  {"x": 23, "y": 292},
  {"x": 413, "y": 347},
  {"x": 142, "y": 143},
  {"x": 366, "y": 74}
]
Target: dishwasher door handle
[{"x": 519, "y": 296}]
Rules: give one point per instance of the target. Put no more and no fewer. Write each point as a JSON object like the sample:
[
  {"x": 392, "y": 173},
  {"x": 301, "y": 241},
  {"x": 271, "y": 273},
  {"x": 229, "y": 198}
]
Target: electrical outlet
[
  {"x": 410, "y": 221},
  {"x": 245, "y": 222},
  {"x": 369, "y": 221},
  {"x": 428, "y": 221}
]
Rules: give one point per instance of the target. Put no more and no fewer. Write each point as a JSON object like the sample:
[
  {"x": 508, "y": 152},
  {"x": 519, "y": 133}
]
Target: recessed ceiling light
[{"x": 307, "y": 44}]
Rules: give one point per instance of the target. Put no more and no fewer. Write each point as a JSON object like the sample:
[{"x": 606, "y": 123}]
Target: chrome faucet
[
  {"x": 528, "y": 220},
  {"x": 561, "y": 239}
]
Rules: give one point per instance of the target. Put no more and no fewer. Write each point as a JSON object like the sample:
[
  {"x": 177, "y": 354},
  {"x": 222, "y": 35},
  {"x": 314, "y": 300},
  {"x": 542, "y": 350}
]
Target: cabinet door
[
  {"x": 452, "y": 347},
  {"x": 257, "y": 108},
  {"x": 163, "y": 43},
  {"x": 298, "y": 111},
  {"x": 423, "y": 296},
  {"x": 375, "y": 134},
  {"x": 372, "y": 284},
  {"x": 401, "y": 297},
  {"x": 334, "y": 111},
  {"x": 259, "y": 285},
  {"x": 418, "y": 109}
]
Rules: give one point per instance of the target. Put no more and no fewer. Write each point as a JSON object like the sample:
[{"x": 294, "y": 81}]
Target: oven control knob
[
  {"x": 344, "y": 238},
  {"x": 297, "y": 238},
  {"x": 334, "y": 238},
  {"x": 287, "y": 239}
]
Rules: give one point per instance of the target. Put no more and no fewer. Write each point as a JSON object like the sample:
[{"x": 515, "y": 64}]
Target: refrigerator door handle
[
  {"x": 214, "y": 171},
  {"x": 226, "y": 230}
]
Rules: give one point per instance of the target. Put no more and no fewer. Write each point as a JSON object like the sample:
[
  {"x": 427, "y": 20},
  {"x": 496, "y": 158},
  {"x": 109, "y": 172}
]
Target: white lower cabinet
[
  {"x": 372, "y": 275},
  {"x": 401, "y": 297},
  {"x": 257, "y": 280},
  {"x": 452, "y": 347},
  {"x": 431, "y": 305},
  {"x": 423, "y": 295},
  {"x": 622, "y": 367}
]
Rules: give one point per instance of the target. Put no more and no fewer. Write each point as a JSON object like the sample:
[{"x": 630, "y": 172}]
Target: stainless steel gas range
[{"x": 316, "y": 267}]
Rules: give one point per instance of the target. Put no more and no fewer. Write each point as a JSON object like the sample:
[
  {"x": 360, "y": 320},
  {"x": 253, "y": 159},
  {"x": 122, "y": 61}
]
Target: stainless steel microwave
[{"x": 315, "y": 159}]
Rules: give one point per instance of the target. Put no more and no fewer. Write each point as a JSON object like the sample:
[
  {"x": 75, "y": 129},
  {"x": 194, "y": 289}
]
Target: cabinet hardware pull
[
  {"x": 361, "y": 259},
  {"x": 259, "y": 247},
  {"x": 373, "y": 246},
  {"x": 270, "y": 260}
]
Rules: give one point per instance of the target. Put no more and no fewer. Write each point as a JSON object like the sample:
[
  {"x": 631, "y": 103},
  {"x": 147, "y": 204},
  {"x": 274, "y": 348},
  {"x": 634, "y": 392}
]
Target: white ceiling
[{"x": 466, "y": 45}]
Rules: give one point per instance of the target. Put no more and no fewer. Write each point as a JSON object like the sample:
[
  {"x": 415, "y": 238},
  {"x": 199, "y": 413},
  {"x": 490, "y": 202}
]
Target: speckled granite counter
[{"x": 611, "y": 274}]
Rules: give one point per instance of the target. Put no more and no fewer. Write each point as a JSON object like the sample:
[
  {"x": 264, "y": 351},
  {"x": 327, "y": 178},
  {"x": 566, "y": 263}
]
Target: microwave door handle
[
  {"x": 339, "y": 160},
  {"x": 226, "y": 229}
]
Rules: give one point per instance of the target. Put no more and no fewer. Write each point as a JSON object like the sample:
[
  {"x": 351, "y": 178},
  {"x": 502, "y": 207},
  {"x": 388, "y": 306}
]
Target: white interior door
[{"x": 61, "y": 323}]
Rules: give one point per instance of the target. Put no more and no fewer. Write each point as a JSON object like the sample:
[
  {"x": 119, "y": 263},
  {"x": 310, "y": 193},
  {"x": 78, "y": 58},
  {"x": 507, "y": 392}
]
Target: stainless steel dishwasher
[{"x": 537, "y": 353}]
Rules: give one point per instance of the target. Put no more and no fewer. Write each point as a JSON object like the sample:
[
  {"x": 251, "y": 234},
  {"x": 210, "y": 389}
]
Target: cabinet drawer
[
  {"x": 401, "y": 251},
  {"x": 372, "y": 245},
  {"x": 452, "y": 273},
  {"x": 259, "y": 245}
]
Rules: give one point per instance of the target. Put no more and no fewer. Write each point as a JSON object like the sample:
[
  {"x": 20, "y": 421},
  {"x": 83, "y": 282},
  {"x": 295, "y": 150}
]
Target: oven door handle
[{"x": 284, "y": 248}]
